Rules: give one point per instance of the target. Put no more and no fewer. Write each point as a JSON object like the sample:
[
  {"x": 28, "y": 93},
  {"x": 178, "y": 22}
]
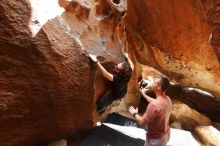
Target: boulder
[
  {"x": 48, "y": 84},
  {"x": 208, "y": 135},
  {"x": 189, "y": 118},
  {"x": 175, "y": 38}
]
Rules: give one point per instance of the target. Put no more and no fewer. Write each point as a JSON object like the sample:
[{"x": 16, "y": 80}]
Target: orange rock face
[
  {"x": 180, "y": 35},
  {"x": 188, "y": 118},
  {"x": 212, "y": 11}
]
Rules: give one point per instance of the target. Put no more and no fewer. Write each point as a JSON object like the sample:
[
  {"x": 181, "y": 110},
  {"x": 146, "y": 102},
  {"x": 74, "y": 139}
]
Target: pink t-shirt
[{"x": 157, "y": 117}]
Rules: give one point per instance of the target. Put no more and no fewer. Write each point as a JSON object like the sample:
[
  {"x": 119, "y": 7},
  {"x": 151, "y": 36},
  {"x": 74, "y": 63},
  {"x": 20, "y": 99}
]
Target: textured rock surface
[
  {"x": 188, "y": 117},
  {"x": 40, "y": 78},
  {"x": 179, "y": 32},
  {"x": 208, "y": 135},
  {"x": 47, "y": 88},
  {"x": 212, "y": 11},
  {"x": 196, "y": 100}
]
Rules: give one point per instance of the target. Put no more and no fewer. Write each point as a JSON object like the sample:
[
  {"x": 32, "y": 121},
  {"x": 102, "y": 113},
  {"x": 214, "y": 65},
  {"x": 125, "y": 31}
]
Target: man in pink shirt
[{"x": 157, "y": 114}]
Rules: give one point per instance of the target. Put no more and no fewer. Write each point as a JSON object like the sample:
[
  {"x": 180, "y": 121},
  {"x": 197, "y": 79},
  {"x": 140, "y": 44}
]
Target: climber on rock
[{"x": 119, "y": 80}]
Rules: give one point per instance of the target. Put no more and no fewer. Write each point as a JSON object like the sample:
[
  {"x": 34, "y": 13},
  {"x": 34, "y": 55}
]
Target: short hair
[{"x": 164, "y": 83}]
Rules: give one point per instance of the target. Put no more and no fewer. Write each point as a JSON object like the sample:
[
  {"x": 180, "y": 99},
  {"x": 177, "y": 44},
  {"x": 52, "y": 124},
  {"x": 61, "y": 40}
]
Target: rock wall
[
  {"x": 212, "y": 13},
  {"x": 40, "y": 79},
  {"x": 175, "y": 38},
  {"x": 47, "y": 88}
]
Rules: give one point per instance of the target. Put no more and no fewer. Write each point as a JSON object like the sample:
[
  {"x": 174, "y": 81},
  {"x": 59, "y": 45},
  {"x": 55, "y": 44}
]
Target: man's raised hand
[{"x": 133, "y": 110}]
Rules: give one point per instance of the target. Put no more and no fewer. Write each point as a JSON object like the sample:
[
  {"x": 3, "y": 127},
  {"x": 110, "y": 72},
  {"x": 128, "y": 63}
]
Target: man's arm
[
  {"x": 148, "y": 98},
  {"x": 135, "y": 114},
  {"x": 149, "y": 115},
  {"x": 140, "y": 120},
  {"x": 104, "y": 72},
  {"x": 129, "y": 61}
]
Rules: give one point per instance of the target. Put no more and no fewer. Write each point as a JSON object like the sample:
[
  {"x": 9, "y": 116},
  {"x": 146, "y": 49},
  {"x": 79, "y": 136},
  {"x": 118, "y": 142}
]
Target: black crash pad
[
  {"x": 105, "y": 136},
  {"x": 117, "y": 119}
]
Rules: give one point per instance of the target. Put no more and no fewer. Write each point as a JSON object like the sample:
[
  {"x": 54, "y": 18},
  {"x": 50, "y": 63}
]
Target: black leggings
[{"x": 108, "y": 99}]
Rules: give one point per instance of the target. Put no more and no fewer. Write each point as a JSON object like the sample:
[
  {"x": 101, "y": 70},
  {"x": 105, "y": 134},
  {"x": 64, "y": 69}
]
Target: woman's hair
[{"x": 126, "y": 71}]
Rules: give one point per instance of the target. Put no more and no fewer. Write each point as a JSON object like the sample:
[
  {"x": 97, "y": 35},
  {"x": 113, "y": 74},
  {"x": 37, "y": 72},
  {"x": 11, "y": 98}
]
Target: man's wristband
[{"x": 134, "y": 114}]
